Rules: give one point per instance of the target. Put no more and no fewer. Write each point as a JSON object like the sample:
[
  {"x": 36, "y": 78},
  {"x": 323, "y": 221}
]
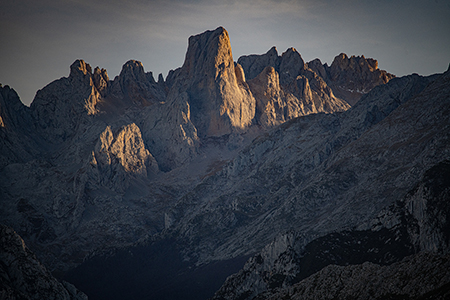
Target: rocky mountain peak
[
  {"x": 269, "y": 103},
  {"x": 272, "y": 51},
  {"x": 208, "y": 51},
  {"x": 134, "y": 69},
  {"x": 218, "y": 103},
  {"x": 207, "y": 167},
  {"x": 15, "y": 120},
  {"x": 101, "y": 79},
  {"x": 136, "y": 86},
  {"x": 61, "y": 105},
  {"x": 291, "y": 65},
  {"x": 119, "y": 156},
  {"x": 80, "y": 67},
  {"x": 255, "y": 64},
  {"x": 286, "y": 87},
  {"x": 352, "y": 77},
  {"x": 343, "y": 62},
  {"x": 12, "y": 109},
  {"x": 319, "y": 68}
]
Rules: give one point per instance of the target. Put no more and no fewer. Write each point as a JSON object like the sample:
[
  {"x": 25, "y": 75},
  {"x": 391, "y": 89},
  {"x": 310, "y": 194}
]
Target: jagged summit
[
  {"x": 137, "y": 86},
  {"x": 192, "y": 175},
  {"x": 218, "y": 104},
  {"x": 211, "y": 48},
  {"x": 353, "y": 77},
  {"x": 254, "y": 64},
  {"x": 364, "y": 72},
  {"x": 79, "y": 66}
]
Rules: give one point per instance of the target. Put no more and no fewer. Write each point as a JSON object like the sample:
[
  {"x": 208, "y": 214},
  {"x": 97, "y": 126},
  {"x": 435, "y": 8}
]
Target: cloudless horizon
[{"x": 41, "y": 39}]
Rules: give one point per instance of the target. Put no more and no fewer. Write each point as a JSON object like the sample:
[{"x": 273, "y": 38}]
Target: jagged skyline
[
  {"x": 131, "y": 188},
  {"x": 41, "y": 40}
]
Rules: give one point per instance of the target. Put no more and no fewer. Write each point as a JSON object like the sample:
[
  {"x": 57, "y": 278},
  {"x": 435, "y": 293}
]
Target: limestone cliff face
[
  {"x": 254, "y": 64},
  {"x": 136, "y": 86},
  {"x": 119, "y": 157},
  {"x": 273, "y": 105},
  {"x": 315, "y": 95},
  {"x": 286, "y": 88},
  {"x": 289, "y": 65},
  {"x": 169, "y": 132},
  {"x": 101, "y": 80},
  {"x": 346, "y": 78},
  {"x": 61, "y": 106},
  {"x": 222, "y": 158},
  {"x": 353, "y": 77},
  {"x": 219, "y": 104},
  {"x": 13, "y": 113}
]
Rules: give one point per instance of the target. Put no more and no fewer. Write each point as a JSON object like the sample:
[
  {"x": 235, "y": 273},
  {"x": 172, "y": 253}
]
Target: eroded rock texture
[
  {"x": 22, "y": 276},
  {"x": 261, "y": 160}
]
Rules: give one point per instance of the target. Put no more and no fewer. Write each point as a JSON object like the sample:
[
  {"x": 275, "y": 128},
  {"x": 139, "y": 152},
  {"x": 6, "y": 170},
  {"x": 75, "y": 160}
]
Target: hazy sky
[{"x": 40, "y": 39}]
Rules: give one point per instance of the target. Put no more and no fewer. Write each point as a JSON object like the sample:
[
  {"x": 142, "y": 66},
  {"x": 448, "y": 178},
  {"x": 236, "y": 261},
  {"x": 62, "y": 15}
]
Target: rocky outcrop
[
  {"x": 427, "y": 204},
  {"x": 289, "y": 65},
  {"x": 136, "y": 86},
  {"x": 117, "y": 158},
  {"x": 286, "y": 88},
  {"x": 13, "y": 113},
  {"x": 314, "y": 94},
  {"x": 421, "y": 276},
  {"x": 218, "y": 103},
  {"x": 62, "y": 106},
  {"x": 216, "y": 162},
  {"x": 346, "y": 78},
  {"x": 273, "y": 106},
  {"x": 170, "y": 134},
  {"x": 350, "y": 78},
  {"x": 22, "y": 276},
  {"x": 101, "y": 80},
  {"x": 416, "y": 223},
  {"x": 317, "y": 67},
  {"x": 402, "y": 229},
  {"x": 254, "y": 64}
]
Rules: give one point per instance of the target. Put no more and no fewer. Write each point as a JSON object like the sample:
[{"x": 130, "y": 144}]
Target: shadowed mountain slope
[{"x": 182, "y": 180}]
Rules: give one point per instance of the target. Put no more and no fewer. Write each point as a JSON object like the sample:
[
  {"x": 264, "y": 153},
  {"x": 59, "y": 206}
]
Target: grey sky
[{"x": 40, "y": 39}]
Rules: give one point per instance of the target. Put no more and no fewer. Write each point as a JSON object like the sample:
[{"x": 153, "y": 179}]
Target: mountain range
[{"x": 263, "y": 178}]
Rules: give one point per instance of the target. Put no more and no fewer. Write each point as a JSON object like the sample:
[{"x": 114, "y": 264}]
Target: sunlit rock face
[
  {"x": 353, "y": 77},
  {"x": 274, "y": 106},
  {"x": 222, "y": 161},
  {"x": 414, "y": 219},
  {"x": 62, "y": 105},
  {"x": 289, "y": 65},
  {"x": 219, "y": 104},
  {"x": 349, "y": 78},
  {"x": 285, "y": 88},
  {"x": 117, "y": 158},
  {"x": 270, "y": 105}
]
